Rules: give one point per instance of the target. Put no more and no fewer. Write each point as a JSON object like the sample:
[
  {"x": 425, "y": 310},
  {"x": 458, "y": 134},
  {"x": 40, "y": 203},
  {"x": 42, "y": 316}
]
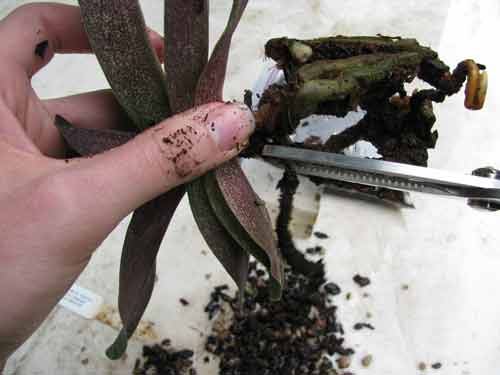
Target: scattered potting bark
[
  {"x": 359, "y": 326},
  {"x": 321, "y": 235},
  {"x": 361, "y": 280},
  {"x": 367, "y": 360},
  {"x": 291, "y": 336},
  {"x": 316, "y": 250},
  {"x": 437, "y": 365},
  {"x": 217, "y": 297},
  {"x": 332, "y": 288},
  {"x": 163, "y": 359}
]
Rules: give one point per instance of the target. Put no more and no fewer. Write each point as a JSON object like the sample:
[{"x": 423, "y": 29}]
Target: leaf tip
[
  {"x": 61, "y": 123},
  {"x": 118, "y": 348}
]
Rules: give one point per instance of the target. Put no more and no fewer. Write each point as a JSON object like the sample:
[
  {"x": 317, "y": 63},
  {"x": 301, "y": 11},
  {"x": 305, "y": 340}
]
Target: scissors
[{"x": 481, "y": 188}]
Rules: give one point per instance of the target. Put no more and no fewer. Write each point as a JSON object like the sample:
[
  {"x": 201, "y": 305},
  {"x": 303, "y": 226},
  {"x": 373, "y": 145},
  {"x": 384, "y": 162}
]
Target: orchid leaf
[
  {"x": 209, "y": 88},
  {"x": 144, "y": 234},
  {"x": 232, "y": 256},
  {"x": 186, "y": 49},
  {"x": 117, "y": 35},
  {"x": 245, "y": 216},
  {"x": 252, "y": 231},
  {"x": 186, "y": 39},
  {"x": 87, "y": 142},
  {"x": 211, "y": 82},
  {"x": 138, "y": 262}
]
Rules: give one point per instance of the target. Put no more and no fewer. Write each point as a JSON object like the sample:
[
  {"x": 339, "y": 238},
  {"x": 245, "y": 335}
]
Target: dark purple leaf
[
  {"x": 117, "y": 34},
  {"x": 232, "y": 256},
  {"x": 138, "y": 263},
  {"x": 245, "y": 217},
  {"x": 211, "y": 82},
  {"x": 186, "y": 39},
  {"x": 186, "y": 49},
  {"x": 229, "y": 191},
  {"x": 90, "y": 141}
]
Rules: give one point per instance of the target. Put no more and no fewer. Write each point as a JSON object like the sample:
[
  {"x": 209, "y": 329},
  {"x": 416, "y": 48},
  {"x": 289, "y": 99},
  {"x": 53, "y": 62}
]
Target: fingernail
[{"x": 230, "y": 125}]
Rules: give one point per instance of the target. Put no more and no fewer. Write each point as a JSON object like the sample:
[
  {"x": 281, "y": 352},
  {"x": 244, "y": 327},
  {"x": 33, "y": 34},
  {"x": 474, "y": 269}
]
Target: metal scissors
[{"x": 481, "y": 188}]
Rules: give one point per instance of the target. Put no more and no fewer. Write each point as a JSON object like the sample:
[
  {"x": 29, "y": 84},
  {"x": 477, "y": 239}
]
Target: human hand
[{"x": 55, "y": 212}]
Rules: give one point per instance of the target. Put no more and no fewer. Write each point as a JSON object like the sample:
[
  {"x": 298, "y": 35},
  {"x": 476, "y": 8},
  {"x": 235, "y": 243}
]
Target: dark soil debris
[
  {"x": 361, "y": 280},
  {"x": 437, "y": 365},
  {"x": 359, "y": 326},
  {"x": 41, "y": 48},
  {"x": 184, "y": 302},
  {"x": 344, "y": 362},
  {"x": 217, "y": 297},
  {"x": 291, "y": 336},
  {"x": 163, "y": 359},
  {"x": 332, "y": 288},
  {"x": 287, "y": 186},
  {"x": 316, "y": 250},
  {"x": 321, "y": 235}
]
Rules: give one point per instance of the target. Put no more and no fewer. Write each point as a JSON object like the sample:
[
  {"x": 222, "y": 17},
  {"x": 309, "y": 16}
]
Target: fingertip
[
  {"x": 231, "y": 125},
  {"x": 157, "y": 43}
]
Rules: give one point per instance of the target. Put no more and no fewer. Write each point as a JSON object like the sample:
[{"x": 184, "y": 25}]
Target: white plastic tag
[{"x": 82, "y": 302}]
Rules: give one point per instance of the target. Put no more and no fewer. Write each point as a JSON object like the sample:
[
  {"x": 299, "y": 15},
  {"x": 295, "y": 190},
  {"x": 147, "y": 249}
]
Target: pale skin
[{"x": 55, "y": 213}]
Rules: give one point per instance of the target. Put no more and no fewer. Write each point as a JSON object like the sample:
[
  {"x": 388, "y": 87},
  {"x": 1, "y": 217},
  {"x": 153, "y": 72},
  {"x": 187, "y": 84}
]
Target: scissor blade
[{"x": 385, "y": 174}]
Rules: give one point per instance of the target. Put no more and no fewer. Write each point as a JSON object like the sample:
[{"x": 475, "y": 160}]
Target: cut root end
[{"x": 477, "y": 86}]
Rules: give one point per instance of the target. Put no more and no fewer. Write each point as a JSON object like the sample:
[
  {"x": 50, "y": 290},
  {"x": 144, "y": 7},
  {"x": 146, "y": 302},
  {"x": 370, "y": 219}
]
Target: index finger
[{"x": 33, "y": 33}]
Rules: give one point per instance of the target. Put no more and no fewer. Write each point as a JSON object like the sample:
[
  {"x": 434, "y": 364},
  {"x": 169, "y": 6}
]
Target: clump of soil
[
  {"x": 291, "y": 336},
  {"x": 162, "y": 359},
  {"x": 361, "y": 280}
]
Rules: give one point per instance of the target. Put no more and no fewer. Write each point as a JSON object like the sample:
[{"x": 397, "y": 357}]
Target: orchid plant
[
  {"x": 349, "y": 72},
  {"x": 234, "y": 226}
]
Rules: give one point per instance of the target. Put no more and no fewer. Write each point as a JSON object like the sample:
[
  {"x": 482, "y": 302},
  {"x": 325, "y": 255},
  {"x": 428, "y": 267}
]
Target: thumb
[{"x": 171, "y": 153}]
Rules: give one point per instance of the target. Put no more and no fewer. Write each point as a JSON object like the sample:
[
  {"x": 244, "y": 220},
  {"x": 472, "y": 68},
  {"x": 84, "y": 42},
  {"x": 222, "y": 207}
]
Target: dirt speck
[
  {"x": 320, "y": 235},
  {"x": 41, "y": 48},
  {"x": 361, "y": 280},
  {"x": 437, "y": 365},
  {"x": 360, "y": 326},
  {"x": 343, "y": 362},
  {"x": 367, "y": 360}
]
